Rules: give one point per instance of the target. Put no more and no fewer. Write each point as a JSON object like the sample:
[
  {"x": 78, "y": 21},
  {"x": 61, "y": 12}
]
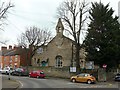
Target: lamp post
[{"x": 8, "y": 73}]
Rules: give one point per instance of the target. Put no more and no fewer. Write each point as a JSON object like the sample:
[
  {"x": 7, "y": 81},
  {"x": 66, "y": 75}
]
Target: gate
[{"x": 101, "y": 74}]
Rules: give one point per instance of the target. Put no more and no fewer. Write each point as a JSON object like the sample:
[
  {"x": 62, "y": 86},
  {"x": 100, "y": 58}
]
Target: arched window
[
  {"x": 38, "y": 62},
  {"x": 58, "y": 61}
]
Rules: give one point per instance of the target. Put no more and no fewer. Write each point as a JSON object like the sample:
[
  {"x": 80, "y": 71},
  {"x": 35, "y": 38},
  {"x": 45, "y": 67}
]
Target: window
[
  {"x": 59, "y": 61},
  {"x": 4, "y": 58},
  {"x": 38, "y": 62},
  {"x": 15, "y": 65},
  {"x": 60, "y": 29},
  {"x": 40, "y": 50},
  {"x": 16, "y": 57},
  {"x": 10, "y": 65},
  {"x": 41, "y": 72},
  {"x": 35, "y": 61},
  {"x": 81, "y": 75},
  {"x": 34, "y": 72},
  {"x": 10, "y": 58}
]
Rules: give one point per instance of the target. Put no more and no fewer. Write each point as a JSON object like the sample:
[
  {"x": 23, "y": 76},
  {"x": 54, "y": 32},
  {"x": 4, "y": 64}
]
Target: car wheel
[
  {"x": 89, "y": 81},
  {"x": 73, "y": 80},
  {"x": 37, "y": 76},
  {"x": 12, "y": 74},
  {"x": 7, "y": 73}
]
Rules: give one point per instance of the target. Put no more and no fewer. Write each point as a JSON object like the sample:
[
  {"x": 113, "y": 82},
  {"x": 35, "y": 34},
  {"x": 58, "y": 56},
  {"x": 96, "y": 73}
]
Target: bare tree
[
  {"x": 4, "y": 9},
  {"x": 73, "y": 13},
  {"x": 3, "y": 42},
  {"x": 34, "y": 37}
]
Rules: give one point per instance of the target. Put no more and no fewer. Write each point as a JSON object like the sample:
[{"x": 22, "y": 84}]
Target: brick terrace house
[
  {"x": 13, "y": 57},
  {"x": 59, "y": 52}
]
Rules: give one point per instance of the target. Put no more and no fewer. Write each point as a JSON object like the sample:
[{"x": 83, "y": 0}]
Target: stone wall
[
  {"x": 111, "y": 73},
  {"x": 54, "y": 72},
  {"x": 65, "y": 72}
]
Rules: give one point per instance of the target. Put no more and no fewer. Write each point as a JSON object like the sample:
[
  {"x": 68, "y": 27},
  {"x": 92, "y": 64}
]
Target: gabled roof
[
  {"x": 68, "y": 38},
  {"x": 2, "y": 52},
  {"x": 9, "y": 53},
  {"x": 62, "y": 37},
  {"x": 13, "y": 52}
]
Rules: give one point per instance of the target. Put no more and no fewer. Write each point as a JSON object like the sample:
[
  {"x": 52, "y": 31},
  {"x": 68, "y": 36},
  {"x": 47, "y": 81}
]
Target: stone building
[{"x": 59, "y": 52}]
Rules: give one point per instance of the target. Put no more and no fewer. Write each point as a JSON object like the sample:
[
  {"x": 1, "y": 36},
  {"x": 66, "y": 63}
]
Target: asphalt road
[{"x": 26, "y": 82}]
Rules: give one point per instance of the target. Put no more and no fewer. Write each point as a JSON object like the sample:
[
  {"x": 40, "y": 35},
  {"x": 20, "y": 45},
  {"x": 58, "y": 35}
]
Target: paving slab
[{"x": 8, "y": 83}]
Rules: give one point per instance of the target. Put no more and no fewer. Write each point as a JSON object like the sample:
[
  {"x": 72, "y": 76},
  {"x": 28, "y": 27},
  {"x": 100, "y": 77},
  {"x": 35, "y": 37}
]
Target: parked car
[
  {"x": 83, "y": 77},
  {"x": 117, "y": 77},
  {"x": 37, "y": 74},
  {"x": 20, "y": 72},
  {"x": 6, "y": 70}
]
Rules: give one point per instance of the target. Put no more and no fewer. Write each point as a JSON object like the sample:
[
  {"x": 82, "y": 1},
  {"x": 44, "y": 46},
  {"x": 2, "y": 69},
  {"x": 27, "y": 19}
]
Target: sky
[{"x": 40, "y": 13}]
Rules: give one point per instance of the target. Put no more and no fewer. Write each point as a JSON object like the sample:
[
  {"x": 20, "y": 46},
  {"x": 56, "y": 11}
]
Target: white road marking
[{"x": 20, "y": 83}]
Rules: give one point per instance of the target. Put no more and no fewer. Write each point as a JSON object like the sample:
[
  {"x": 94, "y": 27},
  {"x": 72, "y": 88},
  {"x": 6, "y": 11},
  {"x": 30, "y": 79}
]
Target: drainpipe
[{"x": 72, "y": 56}]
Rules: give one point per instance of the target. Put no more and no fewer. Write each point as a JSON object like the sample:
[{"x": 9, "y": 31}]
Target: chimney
[
  {"x": 3, "y": 48},
  {"x": 10, "y": 47},
  {"x": 20, "y": 46},
  {"x": 15, "y": 47}
]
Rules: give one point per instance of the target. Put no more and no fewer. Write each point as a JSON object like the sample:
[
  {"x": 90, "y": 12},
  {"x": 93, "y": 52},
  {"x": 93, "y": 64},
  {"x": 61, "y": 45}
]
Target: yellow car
[{"x": 83, "y": 77}]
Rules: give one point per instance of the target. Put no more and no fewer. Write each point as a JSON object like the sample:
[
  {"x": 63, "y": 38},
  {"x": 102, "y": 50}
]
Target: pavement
[{"x": 9, "y": 83}]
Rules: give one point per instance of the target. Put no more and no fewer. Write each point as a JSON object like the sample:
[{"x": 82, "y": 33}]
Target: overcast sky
[{"x": 40, "y": 13}]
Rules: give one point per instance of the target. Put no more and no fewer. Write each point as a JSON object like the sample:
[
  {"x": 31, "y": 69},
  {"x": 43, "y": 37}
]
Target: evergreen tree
[{"x": 103, "y": 39}]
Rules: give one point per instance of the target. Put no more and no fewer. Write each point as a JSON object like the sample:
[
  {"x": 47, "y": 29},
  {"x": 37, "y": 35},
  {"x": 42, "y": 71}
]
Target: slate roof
[
  {"x": 12, "y": 52},
  {"x": 3, "y": 52}
]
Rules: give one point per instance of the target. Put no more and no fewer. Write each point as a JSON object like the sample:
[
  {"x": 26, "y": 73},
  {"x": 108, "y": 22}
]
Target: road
[{"x": 27, "y": 82}]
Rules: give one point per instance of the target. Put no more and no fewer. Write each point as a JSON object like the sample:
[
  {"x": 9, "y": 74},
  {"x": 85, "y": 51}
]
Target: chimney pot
[
  {"x": 10, "y": 47},
  {"x": 3, "y": 48}
]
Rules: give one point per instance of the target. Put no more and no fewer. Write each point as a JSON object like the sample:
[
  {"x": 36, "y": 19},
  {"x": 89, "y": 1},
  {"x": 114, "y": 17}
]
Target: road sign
[{"x": 104, "y": 66}]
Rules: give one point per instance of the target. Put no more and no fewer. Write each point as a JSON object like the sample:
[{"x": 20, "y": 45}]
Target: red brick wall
[
  {"x": 24, "y": 59},
  {"x": 21, "y": 59}
]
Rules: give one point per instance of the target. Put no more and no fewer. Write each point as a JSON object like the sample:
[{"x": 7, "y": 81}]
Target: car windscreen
[
  {"x": 11, "y": 68},
  {"x": 18, "y": 69},
  {"x": 41, "y": 72}
]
